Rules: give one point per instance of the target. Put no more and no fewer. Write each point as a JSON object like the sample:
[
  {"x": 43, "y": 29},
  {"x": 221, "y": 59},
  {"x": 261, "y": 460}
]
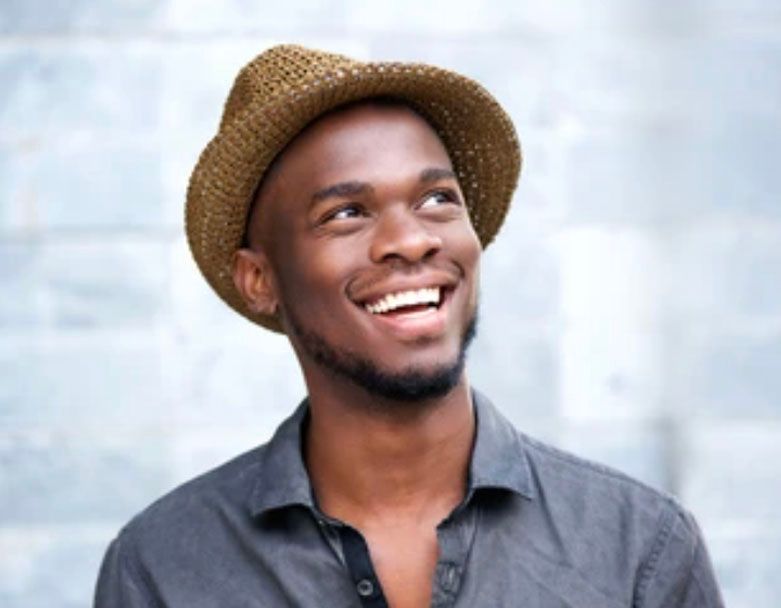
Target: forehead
[{"x": 372, "y": 141}]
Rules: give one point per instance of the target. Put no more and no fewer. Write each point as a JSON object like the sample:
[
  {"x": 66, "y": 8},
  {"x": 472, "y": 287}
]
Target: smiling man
[{"x": 347, "y": 204}]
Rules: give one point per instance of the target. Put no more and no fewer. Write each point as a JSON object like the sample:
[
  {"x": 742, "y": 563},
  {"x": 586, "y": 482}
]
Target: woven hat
[{"x": 285, "y": 88}]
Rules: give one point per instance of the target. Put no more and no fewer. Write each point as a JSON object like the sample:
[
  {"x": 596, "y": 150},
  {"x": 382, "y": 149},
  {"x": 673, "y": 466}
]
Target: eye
[
  {"x": 345, "y": 212},
  {"x": 439, "y": 197}
]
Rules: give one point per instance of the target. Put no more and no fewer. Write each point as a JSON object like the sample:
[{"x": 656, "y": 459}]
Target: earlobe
[{"x": 254, "y": 280}]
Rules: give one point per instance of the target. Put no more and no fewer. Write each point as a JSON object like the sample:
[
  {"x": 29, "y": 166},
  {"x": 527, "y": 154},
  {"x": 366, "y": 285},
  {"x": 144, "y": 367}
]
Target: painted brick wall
[{"x": 630, "y": 310}]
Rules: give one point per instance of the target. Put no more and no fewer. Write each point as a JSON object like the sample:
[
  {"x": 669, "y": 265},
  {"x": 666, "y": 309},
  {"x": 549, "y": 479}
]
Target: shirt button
[
  {"x": 365, "y": 587},
  {"x": 450, "y": 577}
]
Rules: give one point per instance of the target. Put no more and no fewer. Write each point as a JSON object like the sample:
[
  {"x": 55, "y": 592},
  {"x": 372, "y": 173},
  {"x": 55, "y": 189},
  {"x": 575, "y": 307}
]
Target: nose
[{"x": 399, "y": 234}]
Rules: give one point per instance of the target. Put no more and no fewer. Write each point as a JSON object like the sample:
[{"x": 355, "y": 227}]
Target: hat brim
[{"x": 477, "y": 134}]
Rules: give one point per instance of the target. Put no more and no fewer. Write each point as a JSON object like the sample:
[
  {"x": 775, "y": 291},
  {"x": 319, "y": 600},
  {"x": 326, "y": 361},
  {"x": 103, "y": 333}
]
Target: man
[{"x": 347, "y": 204}]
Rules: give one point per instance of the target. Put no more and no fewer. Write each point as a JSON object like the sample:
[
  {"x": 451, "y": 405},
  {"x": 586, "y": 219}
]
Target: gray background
[{"x": 630, "y": 306}]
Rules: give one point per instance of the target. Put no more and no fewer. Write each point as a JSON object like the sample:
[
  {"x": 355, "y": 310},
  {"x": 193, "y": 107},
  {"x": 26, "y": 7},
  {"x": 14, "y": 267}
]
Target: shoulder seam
[
  {"x": 694, "y": 575},
  {"x": 647, "y": 569}
]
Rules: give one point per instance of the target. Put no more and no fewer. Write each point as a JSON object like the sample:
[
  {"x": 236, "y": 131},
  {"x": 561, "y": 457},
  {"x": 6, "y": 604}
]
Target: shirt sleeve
[
  {"x": 119, "y": 585},
  {"x": 678, "y": 572}
]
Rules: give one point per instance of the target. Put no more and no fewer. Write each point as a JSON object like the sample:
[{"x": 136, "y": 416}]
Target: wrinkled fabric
[{"x": 537, "y": 528}]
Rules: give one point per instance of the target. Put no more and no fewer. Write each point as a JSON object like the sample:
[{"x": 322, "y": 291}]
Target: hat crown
[{"x": 278, "y": 71}]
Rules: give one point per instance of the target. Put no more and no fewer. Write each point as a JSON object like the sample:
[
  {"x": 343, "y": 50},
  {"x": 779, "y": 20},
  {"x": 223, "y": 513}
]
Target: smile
[{"x": 413, "y": 300}]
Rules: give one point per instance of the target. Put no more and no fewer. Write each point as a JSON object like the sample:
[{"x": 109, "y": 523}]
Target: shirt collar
[
  {"x": 498, "y": 461},
  {"x": 283, "y": 480}
]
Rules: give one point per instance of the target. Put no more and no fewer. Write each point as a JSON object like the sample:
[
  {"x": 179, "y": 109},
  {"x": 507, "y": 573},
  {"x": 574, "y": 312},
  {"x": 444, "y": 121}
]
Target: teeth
[{"x": 429, "y": 295}]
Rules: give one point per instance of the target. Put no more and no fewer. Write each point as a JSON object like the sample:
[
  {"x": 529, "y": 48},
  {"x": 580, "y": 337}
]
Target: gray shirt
[{"x": 537, "y": 528}]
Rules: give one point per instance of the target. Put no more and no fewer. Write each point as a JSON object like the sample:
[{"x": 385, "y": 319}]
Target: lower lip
[{"x": 428, "y": 323}]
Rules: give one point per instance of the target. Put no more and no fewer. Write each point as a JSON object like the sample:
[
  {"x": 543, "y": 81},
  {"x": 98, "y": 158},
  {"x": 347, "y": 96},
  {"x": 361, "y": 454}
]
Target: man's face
[{"x": 373, "y": 257}]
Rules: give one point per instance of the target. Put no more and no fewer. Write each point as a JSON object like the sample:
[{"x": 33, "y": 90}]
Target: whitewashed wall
[{"x": 631, "y": 306}]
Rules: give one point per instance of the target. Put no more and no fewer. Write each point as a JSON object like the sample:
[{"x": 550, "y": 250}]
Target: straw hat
[{"x": 284, "y": 89}]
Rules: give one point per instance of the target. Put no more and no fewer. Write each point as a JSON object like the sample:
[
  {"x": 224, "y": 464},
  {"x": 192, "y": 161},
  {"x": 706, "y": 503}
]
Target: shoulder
[
  {"x": 574, "y": 477},
  {"x": 584, "y": 491},
  {"x": 170, "y": 520},
  {"x": 161, "y": 548},
  {"x": 631, "y": 540},
  {"x": 215, "y": 511}
]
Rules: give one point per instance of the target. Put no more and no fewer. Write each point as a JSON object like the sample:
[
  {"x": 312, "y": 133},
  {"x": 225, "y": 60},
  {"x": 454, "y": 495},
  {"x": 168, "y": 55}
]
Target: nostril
[
  {"x": 408, "y": 241},
  {"x": 433, "y": 249}
]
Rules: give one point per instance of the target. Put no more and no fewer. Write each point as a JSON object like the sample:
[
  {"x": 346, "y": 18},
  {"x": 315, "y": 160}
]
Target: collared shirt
[{"x": 537, "y": 528}]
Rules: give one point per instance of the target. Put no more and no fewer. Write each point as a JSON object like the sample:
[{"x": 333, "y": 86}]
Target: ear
[{"x": 254, "y": 279}]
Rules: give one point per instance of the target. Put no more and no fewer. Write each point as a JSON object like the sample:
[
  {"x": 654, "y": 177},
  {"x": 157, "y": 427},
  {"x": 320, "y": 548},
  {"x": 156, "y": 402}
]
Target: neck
[{"x": 371, "y": 459}]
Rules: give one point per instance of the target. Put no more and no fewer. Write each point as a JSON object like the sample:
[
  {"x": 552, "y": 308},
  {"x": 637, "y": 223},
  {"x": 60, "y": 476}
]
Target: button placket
[
  {"x": 455, "y": 537},
  {"x": 359, "y": 565}
]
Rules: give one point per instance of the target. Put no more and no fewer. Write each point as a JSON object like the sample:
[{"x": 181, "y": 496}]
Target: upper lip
[{"x": 376, "y": 291}]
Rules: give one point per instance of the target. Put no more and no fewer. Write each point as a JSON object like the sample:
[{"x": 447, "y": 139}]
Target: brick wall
[{"x": 630, "y": 308}]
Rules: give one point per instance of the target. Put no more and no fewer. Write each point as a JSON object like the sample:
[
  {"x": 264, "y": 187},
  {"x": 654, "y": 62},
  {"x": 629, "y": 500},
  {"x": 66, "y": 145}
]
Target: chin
[{"x": 410, "y": 384}]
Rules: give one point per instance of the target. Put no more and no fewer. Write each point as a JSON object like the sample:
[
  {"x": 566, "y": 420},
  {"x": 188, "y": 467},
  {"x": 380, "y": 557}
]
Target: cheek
[
  {"x": 309, "y": 277},
  {"x": 466, "y": 248},
  {"x": 468, "y": 252}
]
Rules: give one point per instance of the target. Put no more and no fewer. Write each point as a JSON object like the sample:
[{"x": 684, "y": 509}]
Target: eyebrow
[
  {"x": 341, "y": 189},
  {"x": 353, "y": 188},
  {"x": 433, "y": 174}
]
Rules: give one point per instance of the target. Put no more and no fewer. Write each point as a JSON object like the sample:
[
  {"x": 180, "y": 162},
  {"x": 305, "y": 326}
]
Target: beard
[{"x": 409, "y": 385}]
